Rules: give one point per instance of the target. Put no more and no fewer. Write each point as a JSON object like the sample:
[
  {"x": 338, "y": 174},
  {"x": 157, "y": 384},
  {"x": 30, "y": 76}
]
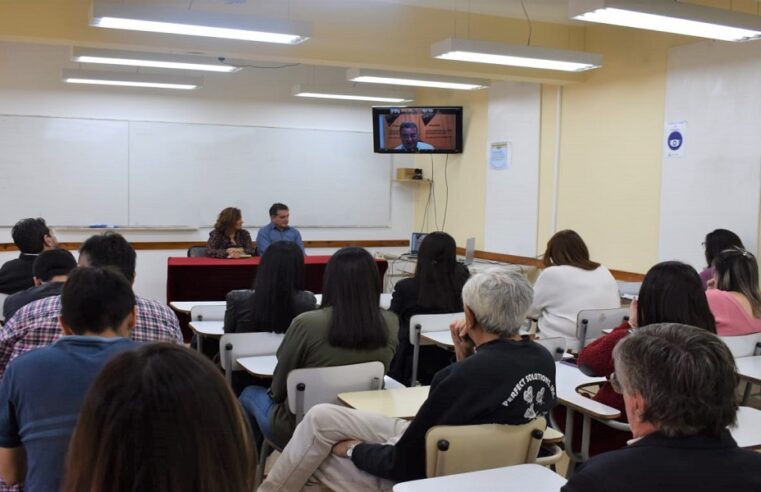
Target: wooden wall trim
[
  {"x": 535, "y": 262},
  {"x": 383, "y": 243},
  {"x": 155, "y": 245}
]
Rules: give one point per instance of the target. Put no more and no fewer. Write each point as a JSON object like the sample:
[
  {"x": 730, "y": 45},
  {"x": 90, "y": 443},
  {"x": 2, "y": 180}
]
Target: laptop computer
[{"x": 415, "y": 240}]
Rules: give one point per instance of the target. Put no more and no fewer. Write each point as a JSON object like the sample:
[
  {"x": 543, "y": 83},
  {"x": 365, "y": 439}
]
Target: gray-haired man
[{"x": 499, "y": 378}]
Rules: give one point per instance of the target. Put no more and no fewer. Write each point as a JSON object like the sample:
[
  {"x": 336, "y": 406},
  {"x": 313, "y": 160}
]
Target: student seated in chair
[
  {"x": 500, "y": 377},
  {"x": 42, "y": 391},
  {"x": 31, "y": 237},
  {"x": 50, "y": 270},
  {"x": 678, "y": 384},
  {"x": 36, "y": 324}
]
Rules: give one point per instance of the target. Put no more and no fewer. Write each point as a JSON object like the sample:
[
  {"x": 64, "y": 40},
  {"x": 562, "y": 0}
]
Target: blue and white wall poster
[
  {"x": 676, "y": 133},
  {"x": 499, "y": 155}
]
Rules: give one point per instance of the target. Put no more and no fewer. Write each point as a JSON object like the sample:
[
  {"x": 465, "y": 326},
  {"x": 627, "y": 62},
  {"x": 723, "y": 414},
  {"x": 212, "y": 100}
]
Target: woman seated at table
[
  {"x": 350, "y": 328},
  {"x": 278, "y": 295},
  {"x": 733, "y": 293},
  {"x": 670, "y": 293},
  {"x": 228, "y": 239},
  {"x": 715, "y": 242},
  {"x": 436, "y": 288},
  {"x": 570, "y": 282},
  {"x": 679, "y": 385}
]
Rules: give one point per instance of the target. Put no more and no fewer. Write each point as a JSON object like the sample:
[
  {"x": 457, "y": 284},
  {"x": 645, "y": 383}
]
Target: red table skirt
[{"x": 210, "y": 279}]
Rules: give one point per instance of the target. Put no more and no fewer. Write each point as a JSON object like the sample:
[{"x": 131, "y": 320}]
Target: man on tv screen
[{"x": 409, "y": 134}]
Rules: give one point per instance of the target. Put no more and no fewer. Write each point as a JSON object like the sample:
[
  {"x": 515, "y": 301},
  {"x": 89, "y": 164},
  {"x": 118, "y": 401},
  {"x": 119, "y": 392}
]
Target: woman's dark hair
[
  {"x": 737, "y": 271},
  {"x": 719, "y": 240},
  {"x": 280, "y": 276},
  {"x": 673, "y": 293},
  {"x": 138, "y": 428},
  {"x": 227, "y": 219},
  {"x": 439, "y": 278},
  {"x": 567, "y": 248},
  {"x": 352, "y": 287}
]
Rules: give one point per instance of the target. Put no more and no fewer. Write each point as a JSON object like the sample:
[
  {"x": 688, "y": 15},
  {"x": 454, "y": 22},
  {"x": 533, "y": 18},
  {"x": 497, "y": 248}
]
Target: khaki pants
[{"x": 307, "y": 462}]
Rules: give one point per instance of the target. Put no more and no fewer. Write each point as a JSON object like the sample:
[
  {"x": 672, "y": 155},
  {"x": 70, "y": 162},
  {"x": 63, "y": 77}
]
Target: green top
[{"x": 306, "y": 345}]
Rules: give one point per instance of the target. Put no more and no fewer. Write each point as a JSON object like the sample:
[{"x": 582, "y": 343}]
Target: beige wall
[{"x": 611, "y": 130}]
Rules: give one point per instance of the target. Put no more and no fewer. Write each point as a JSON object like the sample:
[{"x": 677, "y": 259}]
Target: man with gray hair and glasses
[
  {"x": 499, "y": 378},
  {"x": 678, "y": 384}
]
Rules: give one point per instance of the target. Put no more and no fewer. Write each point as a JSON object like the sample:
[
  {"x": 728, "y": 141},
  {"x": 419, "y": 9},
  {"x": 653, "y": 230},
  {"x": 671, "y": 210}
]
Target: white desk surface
[
  {"x": 186, "y": 306},
  {"x": 260, "y": 365},
  {"x": 385, "y": 300},
  {"x": 401, "y": 403},
  {"x": 441, "y": 338},
  {"x": 748, "y": 430},
  {"x": 208, "y": 328},
  {"x": 567, "y": 379},
  {"x": 523, "y": 478},
  {"x": 749, "y": 368}
]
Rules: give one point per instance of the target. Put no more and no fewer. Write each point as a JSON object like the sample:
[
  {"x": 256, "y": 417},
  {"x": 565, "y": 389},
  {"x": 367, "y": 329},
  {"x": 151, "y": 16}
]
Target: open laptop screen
[{"x": 417, "y": 238}]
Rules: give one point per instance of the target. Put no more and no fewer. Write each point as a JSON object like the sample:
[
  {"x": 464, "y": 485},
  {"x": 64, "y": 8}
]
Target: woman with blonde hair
[{"x": 733, "y": 294}]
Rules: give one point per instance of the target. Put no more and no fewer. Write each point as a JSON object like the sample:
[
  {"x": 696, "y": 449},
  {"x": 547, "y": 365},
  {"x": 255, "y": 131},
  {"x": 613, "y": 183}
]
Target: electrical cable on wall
[
  {"x": 433, "y": 192},
  {"x": 446, "y": 193}
]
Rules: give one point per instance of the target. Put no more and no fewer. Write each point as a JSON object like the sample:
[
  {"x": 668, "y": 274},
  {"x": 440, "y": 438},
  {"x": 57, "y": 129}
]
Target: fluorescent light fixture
[
  {"x": 413, "y": 79},
  {"x": 515, "y": 55},
  {"x": 196, "y": 23},
  {"x": 131, "y": 79},
  {"x": 673, "y": 17},
  {"x": 155, "y": 60},
  {"x": 348, "y": 94}
]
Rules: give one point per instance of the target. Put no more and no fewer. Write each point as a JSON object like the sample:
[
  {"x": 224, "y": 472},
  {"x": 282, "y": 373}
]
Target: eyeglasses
[{"x": 615, "y": 383}]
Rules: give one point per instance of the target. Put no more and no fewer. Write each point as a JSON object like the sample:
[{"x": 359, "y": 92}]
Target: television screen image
[{"x": 432, "y": 130}]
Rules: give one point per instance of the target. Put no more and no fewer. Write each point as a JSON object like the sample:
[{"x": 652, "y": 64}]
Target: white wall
[
  {"x": 715, "y": 183},
  {"x": 30, "y": 85}
]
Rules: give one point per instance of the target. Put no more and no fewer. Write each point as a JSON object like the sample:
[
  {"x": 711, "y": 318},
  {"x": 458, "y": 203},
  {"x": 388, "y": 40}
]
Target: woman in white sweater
[{"x": 570, "y": 282}]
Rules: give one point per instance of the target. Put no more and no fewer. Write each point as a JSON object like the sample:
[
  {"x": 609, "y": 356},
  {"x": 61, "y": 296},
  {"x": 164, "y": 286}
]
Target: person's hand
[
  {"x": 340, "y": 448},
  {"x": 234, "y": 252},
  {"x": 463, "y": 346},
  {"x": 633, "y": 313},
  {"x": 711, "y": 284}
]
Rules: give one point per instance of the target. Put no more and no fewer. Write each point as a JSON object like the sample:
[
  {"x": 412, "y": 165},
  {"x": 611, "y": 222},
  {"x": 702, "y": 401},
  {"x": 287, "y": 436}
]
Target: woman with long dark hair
[
  {"x": 229, "y": 239},
  {"x": 670, "y": 293},
  {"x": 715, "y": 242},
  {"x": 569, "y": 283},
  {"x": 350, "y": 328},
  {"x": 278, "y": 294},
  {"x": 138, "y": 428},
  {"x": 733, "y": 293},
  {"x": 436, "y": 288}
]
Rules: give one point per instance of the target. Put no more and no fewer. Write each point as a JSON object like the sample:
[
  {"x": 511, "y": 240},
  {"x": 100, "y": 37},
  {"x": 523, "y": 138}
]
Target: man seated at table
[
  {"x": 36, "y": 324},
  {"x": 277, "y": 229},
  {"x": 500, "y": 377},
  {"x": 50, "y": 270},
  {"x": 42, "y": 391},
  {"x": 678, "y": 384}
]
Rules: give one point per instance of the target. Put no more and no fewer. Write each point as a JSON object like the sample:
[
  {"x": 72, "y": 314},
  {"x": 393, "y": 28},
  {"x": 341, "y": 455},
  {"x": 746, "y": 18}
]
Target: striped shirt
[{"x": 36, "y": 325}]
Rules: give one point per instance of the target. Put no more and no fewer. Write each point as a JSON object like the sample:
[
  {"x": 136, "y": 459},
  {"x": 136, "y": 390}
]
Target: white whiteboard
[
  {"x": 169, "y": 174},
  {"x": 715, "y": 183},
  {"x": 67, "y": 171}
]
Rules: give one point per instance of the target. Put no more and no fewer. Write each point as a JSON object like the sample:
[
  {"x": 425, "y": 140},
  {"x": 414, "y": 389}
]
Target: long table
[{"x": 210, "y": 279}]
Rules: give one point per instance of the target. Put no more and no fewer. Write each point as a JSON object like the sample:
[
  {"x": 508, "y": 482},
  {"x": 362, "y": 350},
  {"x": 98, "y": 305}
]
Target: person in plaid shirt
[{"x": 36, "y": 324}]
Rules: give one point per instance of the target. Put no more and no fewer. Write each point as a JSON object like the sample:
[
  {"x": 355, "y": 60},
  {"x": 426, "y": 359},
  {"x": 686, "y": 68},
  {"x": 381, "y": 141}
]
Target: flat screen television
[{"x": 418, "y": 129}]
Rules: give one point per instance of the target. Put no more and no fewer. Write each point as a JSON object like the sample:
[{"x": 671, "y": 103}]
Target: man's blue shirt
[
  {"x": 41, "y": 393},
  {"x": 270, "y": 233}
]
